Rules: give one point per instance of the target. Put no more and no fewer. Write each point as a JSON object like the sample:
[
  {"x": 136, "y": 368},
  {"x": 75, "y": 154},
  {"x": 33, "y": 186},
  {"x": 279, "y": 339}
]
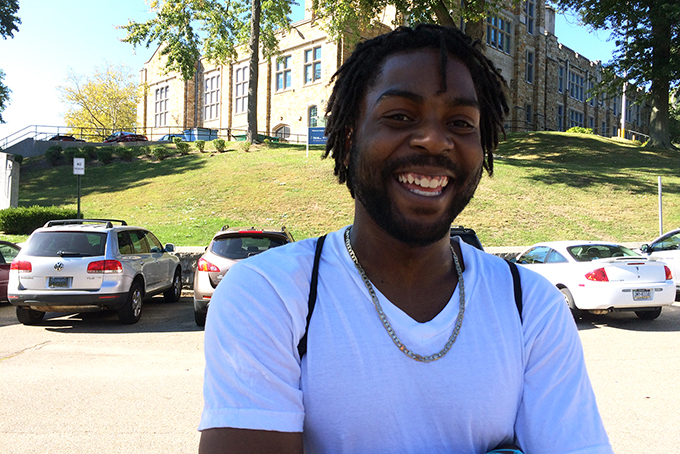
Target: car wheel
[
  {"x": 575, "y": 311},
  {"x": 172, "y": 294},
  {"x": 28, "y": 316},
  {"x": 200, "y": 318},
  {"x": 131, "y": 312},
  {"x": 649, "y": 315}
]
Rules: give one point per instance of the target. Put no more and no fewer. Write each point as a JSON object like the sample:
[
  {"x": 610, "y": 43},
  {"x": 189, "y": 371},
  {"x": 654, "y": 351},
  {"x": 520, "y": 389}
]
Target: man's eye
[
  {"x": 462, "y": 124},
  {"x": 398, "y": 117}
]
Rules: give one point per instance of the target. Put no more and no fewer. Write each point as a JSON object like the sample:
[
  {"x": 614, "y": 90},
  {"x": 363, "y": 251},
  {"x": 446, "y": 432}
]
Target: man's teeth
[{"x": 424, "y": 181}]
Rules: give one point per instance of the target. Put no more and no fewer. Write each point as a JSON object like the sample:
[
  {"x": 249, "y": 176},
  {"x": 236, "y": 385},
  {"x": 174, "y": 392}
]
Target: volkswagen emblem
[{"x": 58, "y": 266}]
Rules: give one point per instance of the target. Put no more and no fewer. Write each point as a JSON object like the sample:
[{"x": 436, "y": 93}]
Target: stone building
[{"x": 549, "y": 84}]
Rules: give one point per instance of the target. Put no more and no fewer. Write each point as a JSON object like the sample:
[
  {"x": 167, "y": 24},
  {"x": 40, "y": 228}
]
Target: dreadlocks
[{"x": 361, "y": 69}]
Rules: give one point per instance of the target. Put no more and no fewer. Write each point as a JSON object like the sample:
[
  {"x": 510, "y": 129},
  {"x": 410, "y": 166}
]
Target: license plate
[
  {"x": 642, "y": 294},
  {"x": 58, "y": 282}
]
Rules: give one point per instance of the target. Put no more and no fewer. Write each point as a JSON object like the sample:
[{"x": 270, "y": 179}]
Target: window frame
[{"x": 312, "y": 66}]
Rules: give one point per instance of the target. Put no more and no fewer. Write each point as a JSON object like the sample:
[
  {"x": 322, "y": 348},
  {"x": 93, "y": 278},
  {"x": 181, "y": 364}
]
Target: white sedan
[
  {"x": 666, "y": 248},
  {"x": 602, "y": 277}
]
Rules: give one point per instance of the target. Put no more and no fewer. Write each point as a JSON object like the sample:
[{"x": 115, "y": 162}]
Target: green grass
[{"x": 546, "y": 186}]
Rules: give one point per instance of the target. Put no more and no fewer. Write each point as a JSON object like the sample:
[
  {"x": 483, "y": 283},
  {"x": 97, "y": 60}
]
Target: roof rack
[{"x": 107, "y": 222}]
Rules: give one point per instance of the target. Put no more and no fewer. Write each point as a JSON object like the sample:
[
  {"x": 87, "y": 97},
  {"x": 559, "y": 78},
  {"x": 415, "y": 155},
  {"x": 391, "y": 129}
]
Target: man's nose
[{"x": 432, "y": 137}]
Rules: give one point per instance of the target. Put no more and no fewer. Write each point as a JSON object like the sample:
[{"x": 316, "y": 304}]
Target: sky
[{"x": 58, "y": 36}]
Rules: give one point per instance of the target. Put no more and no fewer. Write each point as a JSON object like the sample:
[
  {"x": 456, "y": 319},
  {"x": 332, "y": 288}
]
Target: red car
[
  {"x": 7, "y": 253},
  {"x": 123, "y": 136}
]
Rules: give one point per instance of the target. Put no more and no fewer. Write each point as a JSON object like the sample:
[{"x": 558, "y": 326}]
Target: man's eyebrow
[{"x": 455, "y": 102}]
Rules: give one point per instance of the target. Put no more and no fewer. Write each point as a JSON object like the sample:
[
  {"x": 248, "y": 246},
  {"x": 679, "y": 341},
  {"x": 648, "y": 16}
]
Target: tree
[
  {"x": 103, "y": 103},
  {"x": 647, "y": 34},
  {"x": 223, "y": 27},
  {"x": 8, "y": 25}
]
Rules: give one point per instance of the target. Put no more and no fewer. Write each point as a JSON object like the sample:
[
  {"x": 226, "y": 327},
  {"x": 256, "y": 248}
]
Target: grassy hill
[{"x": 546, "y": 186}]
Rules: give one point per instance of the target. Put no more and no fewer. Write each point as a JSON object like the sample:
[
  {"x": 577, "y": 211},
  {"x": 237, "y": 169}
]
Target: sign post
[
  {"x": 78, "y": 169},
  {"x": 316, "y": 136}
]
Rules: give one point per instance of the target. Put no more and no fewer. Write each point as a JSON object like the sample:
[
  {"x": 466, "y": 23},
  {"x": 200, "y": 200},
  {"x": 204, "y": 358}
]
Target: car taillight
[
  {"x": 599, "y": 275},
  {"x": 204, "y": 265},
  {"x": 669, "y": 275},
  {"x": 22, "y": 266},
  {"x": 105, "y": 266}
]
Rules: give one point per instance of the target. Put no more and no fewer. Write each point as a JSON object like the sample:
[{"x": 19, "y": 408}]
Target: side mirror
[
  {"x": 169, "y": 247},
  {"x": 645, "y": 248}
]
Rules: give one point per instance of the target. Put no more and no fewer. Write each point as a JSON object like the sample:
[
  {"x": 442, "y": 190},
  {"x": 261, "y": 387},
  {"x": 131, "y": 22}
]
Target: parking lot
[{"x": 90, "y": 385}]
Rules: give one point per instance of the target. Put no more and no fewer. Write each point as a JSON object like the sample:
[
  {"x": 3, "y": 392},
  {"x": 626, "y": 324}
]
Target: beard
[{"x": 369, "y": 185}]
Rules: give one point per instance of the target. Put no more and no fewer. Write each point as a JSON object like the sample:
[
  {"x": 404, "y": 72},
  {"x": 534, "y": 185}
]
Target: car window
[
  {"x": 590, "y": 252},
  {"x": 242, "y": 246},
  {"x": 59, "y": 244},
  {"x": 670, "y": 243},
  {"x": 138, "y": 241},
  {"x": 7, "y": 253},
  {"x": 154, "y": 244},
  {"x": 534, "y": 255},
  {"x": 555, "y": 257}
]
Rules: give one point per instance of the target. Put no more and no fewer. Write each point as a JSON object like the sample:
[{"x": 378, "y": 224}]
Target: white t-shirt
[{"x": 355, "y": 392}]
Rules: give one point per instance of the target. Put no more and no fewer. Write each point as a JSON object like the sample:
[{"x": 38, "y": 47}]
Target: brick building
[{"x": 549, "y": 83}]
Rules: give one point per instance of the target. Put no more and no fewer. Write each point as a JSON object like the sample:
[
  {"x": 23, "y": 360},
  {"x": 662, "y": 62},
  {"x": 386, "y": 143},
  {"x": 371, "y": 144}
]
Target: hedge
[{"x": 23, "y": 220}]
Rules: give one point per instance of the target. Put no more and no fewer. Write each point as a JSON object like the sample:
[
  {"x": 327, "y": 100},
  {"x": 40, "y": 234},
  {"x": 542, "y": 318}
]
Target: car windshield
[
  {"x": 243, "y": 246},
  {"x": 590, "y": 252},
  {"x": 66, "y": 244}
]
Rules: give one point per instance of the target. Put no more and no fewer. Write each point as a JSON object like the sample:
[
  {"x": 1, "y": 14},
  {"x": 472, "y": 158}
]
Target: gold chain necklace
[{"x": 386, "y": 323}]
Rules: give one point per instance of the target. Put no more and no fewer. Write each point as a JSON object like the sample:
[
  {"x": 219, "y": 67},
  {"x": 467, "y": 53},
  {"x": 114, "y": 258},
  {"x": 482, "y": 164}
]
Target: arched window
[
  {"x": 282, "y": 132},
  {"x": 312, "y": 116}
]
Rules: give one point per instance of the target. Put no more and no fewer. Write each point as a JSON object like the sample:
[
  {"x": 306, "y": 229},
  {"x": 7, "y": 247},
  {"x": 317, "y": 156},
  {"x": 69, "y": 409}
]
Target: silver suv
[{"x": 84, "y": 265}]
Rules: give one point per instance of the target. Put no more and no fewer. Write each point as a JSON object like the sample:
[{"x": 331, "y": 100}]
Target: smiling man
[{"x": 387, "y": 339}]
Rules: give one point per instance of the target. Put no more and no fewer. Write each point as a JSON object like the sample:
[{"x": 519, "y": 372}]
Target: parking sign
[{"x": 78, "y": 166}]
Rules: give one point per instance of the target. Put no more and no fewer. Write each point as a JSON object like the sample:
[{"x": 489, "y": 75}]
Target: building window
[
  {"x": 498, "y": 33},
  {"x": 560, "y": 118},
  {"x": 312, "y": 117},
  {"x": 591, "y": 123},
  {"x": 283, "y": 79},
  {"x": 637, "y": 115},
  {"x": 241, "y": 90},
  {"x": 212, "y": 98},
  {"x": 615, "y": 106},
  {"x": 312, "y": 65},
  {"x": 282, "y": 132},
  {"x": 527, "y": 109},
  {"x": 576, "y": 83},
  {"x": 604, "y": 128},
  {"x": 560, "y": 80},
  {"x": 161, "y": 106},
  {"x": 529, "y": 73},
  {"x": 591, "y": 87},
  {"x": 530, "y": 11},
  {"x": 575, "y": 118},
  {"x": 615, "y": 131}
]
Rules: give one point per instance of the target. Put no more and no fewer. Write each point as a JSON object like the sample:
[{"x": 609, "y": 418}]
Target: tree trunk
[
  {"x": 476, "y": 26},
  {"x": 443, "y": 14},
  {"x": 251, "y": 134},
  {"x": 659, "y": 134}
]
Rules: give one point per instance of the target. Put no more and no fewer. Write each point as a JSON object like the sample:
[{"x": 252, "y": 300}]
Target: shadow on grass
[{"x": 583, "y": 161}]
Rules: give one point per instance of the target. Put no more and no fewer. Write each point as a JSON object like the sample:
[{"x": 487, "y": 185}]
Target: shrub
[
  {"x": 580, "y": 130},
  {"x": 23, "y": 220},
  {"x": 104, "y": 155},
  {"x": 176, "y": 140},
  {"x": 144, "y": 150},
  {"x": 126, "y": 153},
  {"x": 183, "y": 147},
  {"x": 244, "y": 146},
  {"x": 219, "y": 144},
  {"x": 53, "y": 154},
  {"x": 90, "y": 151},
  {"x": 18, "y": 158},
  {"x": 160, "y": 152},
  {"x": 69, "y": 154},
  {"x": 200, "y": 145}
]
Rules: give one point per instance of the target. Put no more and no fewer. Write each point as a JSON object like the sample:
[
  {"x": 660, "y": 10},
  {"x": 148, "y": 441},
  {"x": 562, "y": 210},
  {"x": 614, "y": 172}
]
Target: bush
[
  {"x": 244, "y": 146},
  {"x": 72, "y": 152},
  {"x": 126, "y": 153},
  {"x": 90, "y": 151},
  {"x": 160, "y": 152},
  {"x": 219, "y": 144},
  {"x": 176, "y": 140},
  {"x": 53, "y": 154},
  {"x": 23, "y": 220},
  {"x": 182, "y": 147},
  {"x": 200, "y": 145},
  {"x": 144, "y": 150},
  {"x": 104, "y": 155},
  {"x": 18, "y": 158},
  {"x": 580, "y": 130}
]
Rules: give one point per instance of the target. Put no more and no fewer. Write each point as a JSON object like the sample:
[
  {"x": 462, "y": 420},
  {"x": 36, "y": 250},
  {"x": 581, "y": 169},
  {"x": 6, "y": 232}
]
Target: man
[{"x": 413, "y": 346}]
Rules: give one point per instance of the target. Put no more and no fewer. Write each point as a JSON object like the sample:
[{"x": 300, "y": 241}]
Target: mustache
[{"x": 424, "y": 160}]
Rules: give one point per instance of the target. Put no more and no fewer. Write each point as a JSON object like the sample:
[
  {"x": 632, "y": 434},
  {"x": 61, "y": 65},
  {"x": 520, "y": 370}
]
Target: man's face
[{"x": 416, "y": 156}]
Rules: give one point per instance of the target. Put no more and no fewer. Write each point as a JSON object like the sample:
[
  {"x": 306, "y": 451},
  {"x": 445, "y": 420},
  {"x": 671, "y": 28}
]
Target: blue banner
[{"x": 316, "y": 136}]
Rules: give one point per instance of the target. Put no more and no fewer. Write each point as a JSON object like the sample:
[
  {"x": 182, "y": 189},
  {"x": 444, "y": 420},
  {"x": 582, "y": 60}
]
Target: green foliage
[
  {"x": 580, "y": 130},
  {"x": 53, "y": 154},
  {"x": 18, "y": 158},
  {"x": 219, "y": 144},
  {"x": 104, "y": 102},
  {"x": 182, "y": 147},
  {"x": 176, "y": 140},
  {"x": 160, "y": 152},
  {"x": 73, "y": 152},
  {"x": 144, "y": 150},
  {"x": 104, "y": 155},
  {"x": 200, "y": 145},
  {"x": 126, "y": 153},
  {"x": 244, "y": 146},
  {"x": 23, "y": 220},
  {"x": 90, "y": 151},
  {"x": 8, "y": 25}
]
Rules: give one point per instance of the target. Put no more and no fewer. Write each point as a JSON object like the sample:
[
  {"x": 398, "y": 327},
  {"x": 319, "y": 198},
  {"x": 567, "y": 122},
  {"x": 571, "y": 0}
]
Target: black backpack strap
[
  {"x": 517, "y": 286},
  {"x": 302, "y": 346}
]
